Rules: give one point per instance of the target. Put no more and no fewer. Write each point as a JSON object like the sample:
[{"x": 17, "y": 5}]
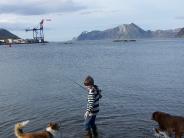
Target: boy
[{"x": 94, "y": 94}]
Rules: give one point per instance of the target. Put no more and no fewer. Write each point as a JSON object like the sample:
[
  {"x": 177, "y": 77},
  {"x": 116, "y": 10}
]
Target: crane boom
[{"x": 38, "y": 35}]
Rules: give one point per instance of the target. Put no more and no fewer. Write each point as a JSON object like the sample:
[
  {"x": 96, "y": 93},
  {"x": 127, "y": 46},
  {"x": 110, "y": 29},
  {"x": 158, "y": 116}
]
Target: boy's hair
[{"x": 88, "y": 81}]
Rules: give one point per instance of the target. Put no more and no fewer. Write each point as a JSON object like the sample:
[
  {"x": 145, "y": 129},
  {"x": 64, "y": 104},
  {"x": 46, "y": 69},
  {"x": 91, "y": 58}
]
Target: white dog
[{"x": 52, "y": 131}]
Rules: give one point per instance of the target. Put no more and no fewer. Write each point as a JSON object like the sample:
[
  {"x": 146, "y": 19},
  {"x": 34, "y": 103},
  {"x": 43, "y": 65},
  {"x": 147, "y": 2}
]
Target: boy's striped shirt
[{"x": 93, "y": 101}]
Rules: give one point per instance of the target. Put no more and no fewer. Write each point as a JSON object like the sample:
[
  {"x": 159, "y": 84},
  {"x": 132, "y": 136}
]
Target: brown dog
[
  {"x": 50, "y": 132},
  {"x": 169, "y": 123}
]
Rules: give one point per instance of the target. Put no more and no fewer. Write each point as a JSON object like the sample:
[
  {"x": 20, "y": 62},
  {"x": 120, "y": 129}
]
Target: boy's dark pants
[{"x": 90, "y": 124}]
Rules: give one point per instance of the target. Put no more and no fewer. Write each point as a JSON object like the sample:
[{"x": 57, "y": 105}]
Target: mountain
[
  {"x": 126, "y": 31},
  {"x": 165, "y": 33},
  {"x": 119, "y": 32},
  {"x": 180, "y": 33},
  {"x": 4, "y": 34}
]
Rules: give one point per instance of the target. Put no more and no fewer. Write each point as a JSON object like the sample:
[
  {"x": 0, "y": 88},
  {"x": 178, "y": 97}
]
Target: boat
[{"x": 124, "y": 40}]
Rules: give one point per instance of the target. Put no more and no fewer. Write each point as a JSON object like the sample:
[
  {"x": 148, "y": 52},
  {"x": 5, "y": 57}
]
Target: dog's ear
[
  {"x": 50, "y": 124},
  {"x": 54, "y": 126},
  {"x": 154, "y": 115}
]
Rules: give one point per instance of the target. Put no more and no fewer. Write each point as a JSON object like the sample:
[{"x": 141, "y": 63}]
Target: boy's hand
[{"x": 86, "y": 114}]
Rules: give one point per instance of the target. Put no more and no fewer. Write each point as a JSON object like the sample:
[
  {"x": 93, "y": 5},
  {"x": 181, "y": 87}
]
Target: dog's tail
[{"x": 19, "y": 126}]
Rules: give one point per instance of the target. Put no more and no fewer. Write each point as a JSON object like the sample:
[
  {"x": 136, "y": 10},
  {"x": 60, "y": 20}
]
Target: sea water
[{"x": 37, "y": 83}]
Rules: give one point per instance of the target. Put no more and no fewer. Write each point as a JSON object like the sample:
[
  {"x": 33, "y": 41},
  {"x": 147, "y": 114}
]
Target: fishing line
[{"x": 76, "y": 83}]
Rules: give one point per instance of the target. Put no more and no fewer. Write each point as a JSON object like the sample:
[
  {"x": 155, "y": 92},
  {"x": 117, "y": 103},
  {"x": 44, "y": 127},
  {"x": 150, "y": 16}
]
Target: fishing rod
[
  {"x": 76, "y": 83},
  {"x": 99, "y": 91}
]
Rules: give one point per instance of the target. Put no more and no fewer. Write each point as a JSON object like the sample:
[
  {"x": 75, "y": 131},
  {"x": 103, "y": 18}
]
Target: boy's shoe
[
  {"x": 95, "y": 132},
  {"x": 88, "y": 134}
]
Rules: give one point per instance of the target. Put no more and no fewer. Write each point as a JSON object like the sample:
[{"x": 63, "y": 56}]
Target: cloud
[
  {"x": 179, "y": 17},
  {"x": 19, "y": 22},
  {"x": 40, "y": 7},
  {"x": 13, "y": 26},
  {"x": 98, "y": 11}
]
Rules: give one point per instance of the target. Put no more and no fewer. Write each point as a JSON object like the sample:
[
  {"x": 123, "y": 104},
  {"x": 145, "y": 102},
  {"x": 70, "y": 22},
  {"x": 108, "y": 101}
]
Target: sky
[{"x": 69, "y": 18}]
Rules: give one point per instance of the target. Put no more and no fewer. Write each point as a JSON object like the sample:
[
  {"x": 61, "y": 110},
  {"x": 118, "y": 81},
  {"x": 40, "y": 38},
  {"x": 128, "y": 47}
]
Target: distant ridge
[
  {"x": 180, "y": 33},
  {"x": 4, "y": 34},
  {"x": 171, "y": 33},
  {"x": 127, "y": 31}
]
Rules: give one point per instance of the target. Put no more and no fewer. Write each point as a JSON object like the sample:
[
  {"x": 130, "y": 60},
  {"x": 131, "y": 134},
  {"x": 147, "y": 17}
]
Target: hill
[{"x": 4, "y": 34}]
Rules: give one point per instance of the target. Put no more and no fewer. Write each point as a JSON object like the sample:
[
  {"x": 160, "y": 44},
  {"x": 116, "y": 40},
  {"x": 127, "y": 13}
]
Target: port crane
[{"x": 38, "y": 34}]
